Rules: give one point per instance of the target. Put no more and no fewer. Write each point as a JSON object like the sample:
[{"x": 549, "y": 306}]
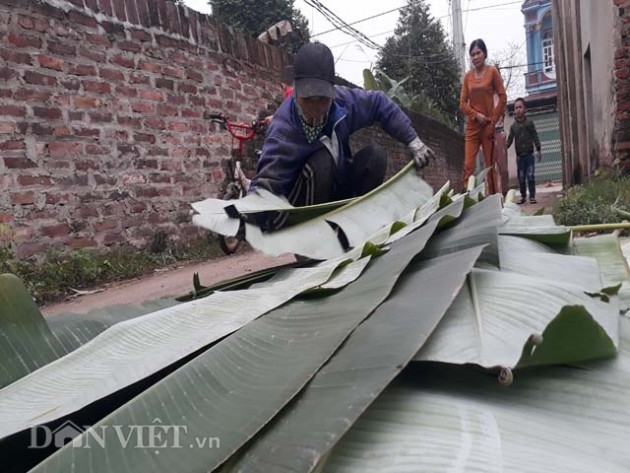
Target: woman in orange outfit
[{"x": 477, "y": 103}]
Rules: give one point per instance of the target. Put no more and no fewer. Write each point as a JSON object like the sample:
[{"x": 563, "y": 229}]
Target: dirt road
[{"x": 169, "y": 282}]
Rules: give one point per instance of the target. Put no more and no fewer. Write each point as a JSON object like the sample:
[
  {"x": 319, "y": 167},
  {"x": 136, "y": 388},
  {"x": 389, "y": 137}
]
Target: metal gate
[{"x": 548, "y": 127}]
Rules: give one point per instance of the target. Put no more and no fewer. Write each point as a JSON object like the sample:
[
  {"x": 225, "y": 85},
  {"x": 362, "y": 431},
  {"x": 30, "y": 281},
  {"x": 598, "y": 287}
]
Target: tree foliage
[
  {"x": 512, "y": 64},
  {"x": 395, "y": 90},
  {"x": 420, "y": 50},
  {"x": 256, "y": 16}
]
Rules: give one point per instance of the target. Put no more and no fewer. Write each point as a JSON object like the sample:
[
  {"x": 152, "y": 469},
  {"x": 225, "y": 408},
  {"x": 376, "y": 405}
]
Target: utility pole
[{"x": 459, "y": 44}]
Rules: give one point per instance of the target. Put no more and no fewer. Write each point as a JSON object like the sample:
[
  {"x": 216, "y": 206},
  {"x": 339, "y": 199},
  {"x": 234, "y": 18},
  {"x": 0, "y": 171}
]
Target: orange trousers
[{"x": 477, "y": 136}]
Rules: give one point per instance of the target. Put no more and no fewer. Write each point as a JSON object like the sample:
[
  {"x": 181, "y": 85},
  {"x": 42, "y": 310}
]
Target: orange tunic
[{"x": 478, "y": 95}]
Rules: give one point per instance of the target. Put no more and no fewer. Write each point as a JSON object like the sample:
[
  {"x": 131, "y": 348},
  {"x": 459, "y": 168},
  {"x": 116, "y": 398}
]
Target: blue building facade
[
  {"x": 541, "y": 70},
  {"x": 540, "y": 84}
]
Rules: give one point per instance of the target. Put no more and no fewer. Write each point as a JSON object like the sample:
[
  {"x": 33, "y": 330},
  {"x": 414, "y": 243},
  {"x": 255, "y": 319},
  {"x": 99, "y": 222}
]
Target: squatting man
[{"x": 306, "y": 156}]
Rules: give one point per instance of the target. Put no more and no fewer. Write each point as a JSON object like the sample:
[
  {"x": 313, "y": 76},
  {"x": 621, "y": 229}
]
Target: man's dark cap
[{"x": 314, "y": 71}]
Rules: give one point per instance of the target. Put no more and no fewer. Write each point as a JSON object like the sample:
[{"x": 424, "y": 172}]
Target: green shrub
[
  {"x": 604, "y": 199},
  {"x": 54, "y": 277}
]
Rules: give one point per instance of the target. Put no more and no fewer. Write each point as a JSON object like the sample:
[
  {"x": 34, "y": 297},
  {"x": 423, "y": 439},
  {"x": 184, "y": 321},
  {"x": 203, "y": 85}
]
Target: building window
[{"x": 549, "y": 67}]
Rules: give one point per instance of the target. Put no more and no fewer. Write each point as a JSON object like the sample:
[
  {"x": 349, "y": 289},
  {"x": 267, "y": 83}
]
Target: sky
[{"x": 498, "y": 22}]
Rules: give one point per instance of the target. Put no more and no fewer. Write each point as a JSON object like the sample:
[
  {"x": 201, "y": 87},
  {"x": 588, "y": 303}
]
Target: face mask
[{"x": 311, "y": 132}]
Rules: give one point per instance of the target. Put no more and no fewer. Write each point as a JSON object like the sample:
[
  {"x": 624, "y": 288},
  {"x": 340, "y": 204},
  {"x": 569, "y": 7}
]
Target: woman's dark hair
[{"x": 478, "y": 43}]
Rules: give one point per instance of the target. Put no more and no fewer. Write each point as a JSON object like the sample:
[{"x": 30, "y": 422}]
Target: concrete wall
[
  {"x": 598, "y": 47},
  {"x": 102, "y": 136},
  {"x": 593, "y": 67}
]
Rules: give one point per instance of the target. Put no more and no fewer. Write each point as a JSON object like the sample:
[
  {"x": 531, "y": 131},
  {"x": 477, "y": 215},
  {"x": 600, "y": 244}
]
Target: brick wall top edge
[{"x": 166, "y": 18}]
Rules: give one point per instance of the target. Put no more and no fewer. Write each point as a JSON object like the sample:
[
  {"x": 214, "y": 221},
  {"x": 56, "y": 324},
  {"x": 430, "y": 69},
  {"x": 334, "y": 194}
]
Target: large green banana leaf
[
  {"x": 211, "y": 213},
  {"x": 132, "y": 350},
  {"x": 281, "y": 391},
  {"x": 497, "y": 312},
  {"x": 441, "y": 418},
  {"x": 612, "y": 264},
  {"x": 509, "y": 244},
  {"x": 476, "y": 227},
  {"x": 541, "y": 228},
  {"x": 359, "y": 220},
  {"x": 26, "y": 341},
  {"x": 237, "y": 386},
  {"x": 373, "y": 355},
  {"x": 73, "y": 330},
  {"x": 29, "y": 341},
  {"x": 390, "y": 202}
]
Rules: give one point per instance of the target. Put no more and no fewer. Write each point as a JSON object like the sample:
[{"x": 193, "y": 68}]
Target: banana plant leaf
[
  {"x": 346, "y": 274},
  {"x": 240, "y": 282},
  {"x": 73, "y": 330},
  {"x": 377, "y": 209},
  {"x": 31, "y": 341},
  {"x": 540, "y": 228},
  {"x": 373, "y": 355},
  {"x": 584, "y": 272},
  {"x": 511, "y": 244},
  {"x": 417, "y": 217},
  {"x": 439, "y": 417},
  {"x": 497, "y": 313},
  {"x": 312, "y": 239},
  {"x": 26, "y": 341},
  {"x": 132, "y": 350},
  {"x": 359, "y": 220},
  {"x": 476, "y": 227},
  {"x": 236, "y": 387},
  {"x": 612, "y": 264},
  {"x": 212, "y": 214}
]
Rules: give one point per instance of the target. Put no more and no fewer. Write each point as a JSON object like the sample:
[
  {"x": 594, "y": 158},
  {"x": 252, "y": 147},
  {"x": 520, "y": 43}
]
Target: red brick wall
[
  {"x": 102, "y": 140},
  {"x": 447, "y": 144},
  {"x": 101, "y": 132}
]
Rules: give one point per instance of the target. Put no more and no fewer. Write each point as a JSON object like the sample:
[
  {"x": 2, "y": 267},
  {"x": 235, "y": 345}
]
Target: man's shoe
[
  {"x": 522, "y": 201},
  {"x": 532, "y": 200}
]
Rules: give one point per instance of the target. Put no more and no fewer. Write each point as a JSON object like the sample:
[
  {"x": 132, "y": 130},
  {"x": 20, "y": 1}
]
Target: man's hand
[
  {"x": 420, "y": 153},
  {"x": 539, "y": 155}
]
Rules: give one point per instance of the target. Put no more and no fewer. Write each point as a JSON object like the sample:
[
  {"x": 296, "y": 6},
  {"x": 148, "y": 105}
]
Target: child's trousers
[{"x": 526, "y": 167}]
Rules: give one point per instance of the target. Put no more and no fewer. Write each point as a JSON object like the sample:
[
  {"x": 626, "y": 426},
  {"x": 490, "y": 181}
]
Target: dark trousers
[
  {"x": 526, "y": 167},
  {"x": 318, "y": 182}
]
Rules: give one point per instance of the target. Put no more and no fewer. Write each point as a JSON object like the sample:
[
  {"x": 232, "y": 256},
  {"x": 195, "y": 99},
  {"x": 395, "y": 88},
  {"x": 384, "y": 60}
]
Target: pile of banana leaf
[{"x": 443, "y": 333}]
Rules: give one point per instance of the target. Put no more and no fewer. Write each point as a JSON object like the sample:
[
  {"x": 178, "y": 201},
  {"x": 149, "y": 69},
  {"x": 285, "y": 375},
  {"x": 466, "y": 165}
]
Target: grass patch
[
  {"x": 54, "y": 277},
  {"x": 604, "y": 199}
]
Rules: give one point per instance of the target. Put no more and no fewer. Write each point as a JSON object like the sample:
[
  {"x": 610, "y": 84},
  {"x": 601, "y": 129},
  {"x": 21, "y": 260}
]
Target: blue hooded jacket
[{"x": 286, "y": 148}]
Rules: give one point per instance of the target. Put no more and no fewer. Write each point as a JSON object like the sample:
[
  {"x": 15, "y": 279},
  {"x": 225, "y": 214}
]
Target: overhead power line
[
  {"x": 361, "y": 20},
  {"x": 341, "y": 25},
  {"x": 497, "y": 5}
]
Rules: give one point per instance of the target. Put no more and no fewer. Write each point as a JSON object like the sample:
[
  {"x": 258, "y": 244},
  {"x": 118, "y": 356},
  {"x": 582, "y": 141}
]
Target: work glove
[{"x": 420, "y": 153}]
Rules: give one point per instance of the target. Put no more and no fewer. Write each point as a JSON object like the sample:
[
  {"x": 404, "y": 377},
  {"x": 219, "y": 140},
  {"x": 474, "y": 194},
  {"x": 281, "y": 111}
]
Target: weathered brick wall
[
  {"x": 621, "y": 142},
  {"x": 447, "y": 144},
  {"x": 102, "y": 138},
  {"x": 101, "y": 131}
]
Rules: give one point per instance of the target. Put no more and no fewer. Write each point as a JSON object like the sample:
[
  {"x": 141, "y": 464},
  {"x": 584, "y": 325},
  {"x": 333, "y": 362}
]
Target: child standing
[{"x": 523, "y": 133}]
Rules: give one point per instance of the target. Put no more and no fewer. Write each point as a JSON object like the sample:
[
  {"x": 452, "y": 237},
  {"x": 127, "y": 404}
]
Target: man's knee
[
  {"x": 318, "y": 175},
  {"x": 321, "y": 163},
  {"x": 372, "y": 158},
  {"x": 368, "y": 169}
]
